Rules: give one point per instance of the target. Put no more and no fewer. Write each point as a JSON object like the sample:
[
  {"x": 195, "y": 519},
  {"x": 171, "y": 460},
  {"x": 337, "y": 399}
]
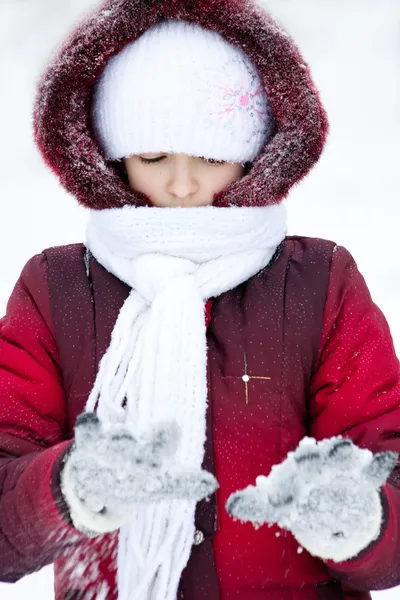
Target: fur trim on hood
[{"x": 62, "y": 127}]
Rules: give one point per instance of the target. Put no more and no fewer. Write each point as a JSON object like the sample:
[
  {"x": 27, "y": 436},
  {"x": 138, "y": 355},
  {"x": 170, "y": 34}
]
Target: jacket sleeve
[
  {"x": 34, "y": 530},
  {"x": 355, "y": 392}
]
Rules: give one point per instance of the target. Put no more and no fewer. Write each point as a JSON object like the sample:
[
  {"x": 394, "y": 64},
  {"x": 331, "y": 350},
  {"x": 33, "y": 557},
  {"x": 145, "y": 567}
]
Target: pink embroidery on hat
[
  {"x": 234, "y": 103},
  {"x": 243, "y": 99}
]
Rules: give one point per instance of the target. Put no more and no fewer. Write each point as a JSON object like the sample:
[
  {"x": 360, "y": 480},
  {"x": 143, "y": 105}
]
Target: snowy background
[{"x": 352, "y": 196}]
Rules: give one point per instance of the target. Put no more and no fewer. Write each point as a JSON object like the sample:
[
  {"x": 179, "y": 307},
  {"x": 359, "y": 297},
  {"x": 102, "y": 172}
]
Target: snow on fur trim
[{"x": 61, "y": 115}]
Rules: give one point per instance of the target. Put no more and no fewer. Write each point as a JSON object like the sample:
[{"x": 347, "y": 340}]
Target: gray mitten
[
  {"x": 326, "y": 493},
  {"x": 108, "y": 470}
]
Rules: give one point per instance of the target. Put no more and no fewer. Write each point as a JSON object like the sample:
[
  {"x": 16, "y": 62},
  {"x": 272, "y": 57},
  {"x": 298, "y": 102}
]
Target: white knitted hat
[{"x": 181, "y": 89}]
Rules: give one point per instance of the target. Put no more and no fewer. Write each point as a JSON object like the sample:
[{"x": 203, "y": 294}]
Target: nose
[{"x": 182, "y": 183}]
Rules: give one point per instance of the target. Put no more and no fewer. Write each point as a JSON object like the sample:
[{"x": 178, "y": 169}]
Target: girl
[{"x": 193, "y": 405}]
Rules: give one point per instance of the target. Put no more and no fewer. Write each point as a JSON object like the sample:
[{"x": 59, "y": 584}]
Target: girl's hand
[
  {"x": 326, "y": 493},
  {"x": 108, "y": 470}
]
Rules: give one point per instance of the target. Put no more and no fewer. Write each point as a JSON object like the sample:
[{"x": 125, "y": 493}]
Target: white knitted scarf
[{"x": 154, "y": 370}]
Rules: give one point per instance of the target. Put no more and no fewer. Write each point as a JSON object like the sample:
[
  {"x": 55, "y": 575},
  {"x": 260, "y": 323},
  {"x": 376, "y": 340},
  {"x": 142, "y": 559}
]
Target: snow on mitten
[
  {"x": 326, "y": 493},
  {"x": 108, "y": 470}
]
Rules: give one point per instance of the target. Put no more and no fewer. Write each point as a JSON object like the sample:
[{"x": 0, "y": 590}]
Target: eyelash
[{"x": 151, "y": 161}]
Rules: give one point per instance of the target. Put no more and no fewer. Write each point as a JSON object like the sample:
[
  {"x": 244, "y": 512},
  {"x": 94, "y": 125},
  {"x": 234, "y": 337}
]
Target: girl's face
[{"x": 179, "y": 180}]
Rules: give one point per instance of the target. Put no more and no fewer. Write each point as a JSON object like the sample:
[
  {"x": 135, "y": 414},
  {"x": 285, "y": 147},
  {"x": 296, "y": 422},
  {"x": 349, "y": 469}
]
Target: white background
[{"x": 352, "y": 196}]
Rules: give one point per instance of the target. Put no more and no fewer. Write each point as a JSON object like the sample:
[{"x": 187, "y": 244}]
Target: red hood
[{"x": 62, "y": 110}]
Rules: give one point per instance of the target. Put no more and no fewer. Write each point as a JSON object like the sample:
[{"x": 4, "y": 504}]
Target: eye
[
  {"x": 150, "y": 161},
  {"x": 211, "y": 161}
]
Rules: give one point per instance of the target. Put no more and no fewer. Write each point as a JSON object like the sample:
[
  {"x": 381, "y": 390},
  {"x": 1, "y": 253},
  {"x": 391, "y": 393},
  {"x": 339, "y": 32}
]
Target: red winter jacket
[{"x": 354, "y": 390}]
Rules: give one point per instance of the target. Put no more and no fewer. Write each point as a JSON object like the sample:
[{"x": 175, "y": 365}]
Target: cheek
[
  {"x": 225, "y": 177},
  {"x": 141, "y": 180}
]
